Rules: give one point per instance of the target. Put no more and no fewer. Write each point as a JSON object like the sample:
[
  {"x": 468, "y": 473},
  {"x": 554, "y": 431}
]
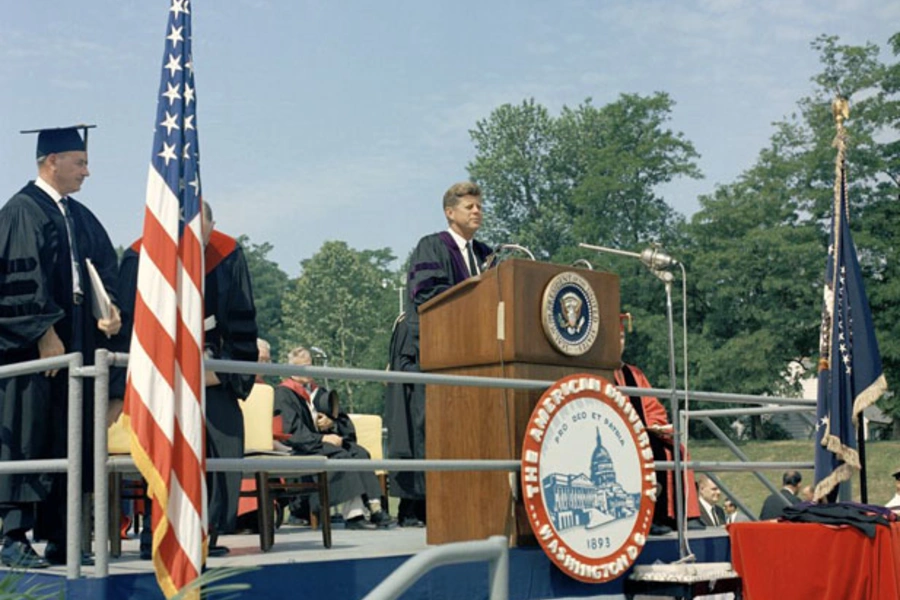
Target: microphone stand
[{"x": 677, "y": 474}]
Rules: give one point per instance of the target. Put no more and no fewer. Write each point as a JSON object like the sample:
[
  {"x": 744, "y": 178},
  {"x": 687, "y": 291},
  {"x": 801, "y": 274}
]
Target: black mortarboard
[
  {"x": 60, "y": 139},
  {"x": 327, "y": 402},
  {"x": 896, "y": 474}
]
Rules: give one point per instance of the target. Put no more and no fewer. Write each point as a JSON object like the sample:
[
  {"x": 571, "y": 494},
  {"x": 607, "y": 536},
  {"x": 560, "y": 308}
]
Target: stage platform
[{"x": 298, "y": 566}]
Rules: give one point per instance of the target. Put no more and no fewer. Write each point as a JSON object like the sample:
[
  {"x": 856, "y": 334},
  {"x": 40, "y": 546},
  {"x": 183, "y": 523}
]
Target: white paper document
[{"x": 101, "y": 305}]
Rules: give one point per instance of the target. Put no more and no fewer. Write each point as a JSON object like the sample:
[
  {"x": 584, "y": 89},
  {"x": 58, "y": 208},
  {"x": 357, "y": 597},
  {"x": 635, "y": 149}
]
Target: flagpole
[
  {"x": 840, "y": 109},
  {"x": 861, "y": 442}
]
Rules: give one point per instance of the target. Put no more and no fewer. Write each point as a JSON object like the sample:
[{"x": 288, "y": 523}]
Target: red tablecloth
[{"x": 821, "y": 562}]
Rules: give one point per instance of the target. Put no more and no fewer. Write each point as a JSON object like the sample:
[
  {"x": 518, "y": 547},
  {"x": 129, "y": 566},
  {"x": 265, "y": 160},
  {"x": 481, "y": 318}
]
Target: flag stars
[
  {"x": 195, "y": 183},
  {"x": 175, "y": 36},
  {"x": 188, "y": 122},
  {"x": 186, "y": 155},
  {"x": 188, "y": 94},
  {"x": 170, "y": 122},
  {"x": 168, "y": 153},
  {"x": 178, "y": 6},
  {"x": 174, "y": 64},
  {"x": 172, "y": 93}
]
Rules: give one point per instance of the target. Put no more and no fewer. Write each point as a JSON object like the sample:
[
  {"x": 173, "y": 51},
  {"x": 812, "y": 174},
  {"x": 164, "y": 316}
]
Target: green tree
[
  {"x": 269, "y": 285},
  {"x": 340, "y": 304},
  {"x": 758, "y": 245},
  {"x": 589, "y": 175},
  {"x": 515, "y": 168}
]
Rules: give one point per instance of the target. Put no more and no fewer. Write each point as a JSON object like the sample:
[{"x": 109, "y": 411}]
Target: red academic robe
[{"x": 655, "y": 414}]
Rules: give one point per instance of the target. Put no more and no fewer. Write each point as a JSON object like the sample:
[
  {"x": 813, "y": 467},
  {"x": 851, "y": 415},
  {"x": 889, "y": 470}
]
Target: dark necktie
[
  {"x": 73, "y": 245},
  {"x": 473, "y": 270}
]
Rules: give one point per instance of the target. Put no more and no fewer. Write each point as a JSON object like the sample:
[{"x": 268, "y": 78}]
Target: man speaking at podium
[{"x": 440, "y": 261}]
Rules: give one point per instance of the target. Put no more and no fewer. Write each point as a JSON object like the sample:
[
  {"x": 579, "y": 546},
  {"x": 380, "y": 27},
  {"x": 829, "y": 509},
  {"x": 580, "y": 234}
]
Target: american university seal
[
  {"x": 569, "y": 314},
  {"x": 588, "y": 479}
]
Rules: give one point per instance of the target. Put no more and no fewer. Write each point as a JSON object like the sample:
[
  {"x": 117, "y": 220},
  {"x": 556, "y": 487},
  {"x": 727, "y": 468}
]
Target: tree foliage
[
  {"x": 589, "y": 175},
  {"x": 269, "y": 285},
  {"x": 758, "y": 245},
  {"x": 339, "y": 304}
]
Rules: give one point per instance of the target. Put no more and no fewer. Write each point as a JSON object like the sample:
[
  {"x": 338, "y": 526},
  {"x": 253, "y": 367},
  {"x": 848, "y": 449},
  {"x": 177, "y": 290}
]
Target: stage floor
[{"x": 300, "y": 566}]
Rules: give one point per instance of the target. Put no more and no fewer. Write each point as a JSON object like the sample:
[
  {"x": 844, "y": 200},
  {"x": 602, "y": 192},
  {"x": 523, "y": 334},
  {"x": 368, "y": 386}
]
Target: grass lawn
[{"x": 882, "y": 458}]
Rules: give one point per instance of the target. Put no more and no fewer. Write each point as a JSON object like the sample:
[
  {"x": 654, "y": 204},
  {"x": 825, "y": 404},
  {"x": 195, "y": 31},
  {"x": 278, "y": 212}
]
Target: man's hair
[
  {"x": 458, "y": 190},
  {"x": 262, "y": 344},
  {"x": 298, "y": 352},
  {"x": 703, "y": 481},
  {"x": 791, "y": 478}
]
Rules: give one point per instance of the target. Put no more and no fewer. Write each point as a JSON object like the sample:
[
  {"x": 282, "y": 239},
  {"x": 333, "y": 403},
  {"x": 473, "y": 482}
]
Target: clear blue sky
[{"x": 347, "y": 120}]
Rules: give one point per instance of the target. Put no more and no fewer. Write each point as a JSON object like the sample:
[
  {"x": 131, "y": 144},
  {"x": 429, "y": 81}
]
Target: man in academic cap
[
  {"x": 440, "y": 261},
  {"x": 46, "y": 239},
  {"x": 655, "y": 418},
  {"x": 231, "y": 333}
]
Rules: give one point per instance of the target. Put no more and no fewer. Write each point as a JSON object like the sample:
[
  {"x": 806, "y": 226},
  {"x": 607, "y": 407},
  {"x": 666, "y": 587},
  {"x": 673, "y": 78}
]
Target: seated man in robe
[
  {"x": 314, "y": 431},
  {"x": 656, "y": 420}
]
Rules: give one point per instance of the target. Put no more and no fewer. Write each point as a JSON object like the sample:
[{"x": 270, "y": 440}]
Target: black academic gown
[
  {"x": 306, "y": 440},
  {"x": 35, "y": 293},
  {"x": 228, "y": 296},
  {"x": 773, "y": 506},
  {"x": 436, "y": 265}
]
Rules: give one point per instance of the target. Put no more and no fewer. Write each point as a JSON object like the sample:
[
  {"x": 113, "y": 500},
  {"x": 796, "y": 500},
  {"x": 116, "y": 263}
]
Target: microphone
[
  {"x": 492, "y": 258},
  {"x": 656, "y": 259},
  {"x": 653, "y": 257},
  {"x": 583, "y": 263}
]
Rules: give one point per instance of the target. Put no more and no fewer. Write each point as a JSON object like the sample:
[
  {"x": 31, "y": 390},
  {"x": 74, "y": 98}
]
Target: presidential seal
[
  {"x": 569, "y": 314},
  {"x": 588, "y": 479}
]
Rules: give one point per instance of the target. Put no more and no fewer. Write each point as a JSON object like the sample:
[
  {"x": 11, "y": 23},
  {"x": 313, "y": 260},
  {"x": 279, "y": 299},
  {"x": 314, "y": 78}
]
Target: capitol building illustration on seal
[{"x": 589, "y": 501}]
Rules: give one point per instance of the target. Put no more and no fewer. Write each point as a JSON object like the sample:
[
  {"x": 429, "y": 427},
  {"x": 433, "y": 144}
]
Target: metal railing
[
  {"x": 71, "y": 465},
  {"x": 104, "y": 464},
  {"x": 495, "y": 550}
]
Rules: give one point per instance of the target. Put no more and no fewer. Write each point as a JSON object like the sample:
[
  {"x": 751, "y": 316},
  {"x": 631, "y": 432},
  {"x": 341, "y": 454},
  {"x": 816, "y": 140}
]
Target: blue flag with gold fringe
[{"x": 850, "y": 373}]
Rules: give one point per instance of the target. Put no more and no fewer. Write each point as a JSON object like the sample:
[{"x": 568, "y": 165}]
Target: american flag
[
  {"x": 165, "y": 401},
  {"x": 850, "y": 373}
]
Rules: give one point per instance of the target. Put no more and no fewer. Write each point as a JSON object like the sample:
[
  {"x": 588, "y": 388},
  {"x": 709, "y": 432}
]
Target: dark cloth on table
[
  {"x": 228, "y": 296},
  {"x": 773, "y": 505},
  {"x": 306, "y": 440},
  {"x": 861, "y": 516},
  {"x": 436, "y": 265},
  {"x": 36, "y": 292}
]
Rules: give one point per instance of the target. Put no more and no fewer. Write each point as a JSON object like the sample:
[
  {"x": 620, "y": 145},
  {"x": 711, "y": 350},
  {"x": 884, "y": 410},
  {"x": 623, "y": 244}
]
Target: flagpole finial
[{"x": 840, "y": 108}]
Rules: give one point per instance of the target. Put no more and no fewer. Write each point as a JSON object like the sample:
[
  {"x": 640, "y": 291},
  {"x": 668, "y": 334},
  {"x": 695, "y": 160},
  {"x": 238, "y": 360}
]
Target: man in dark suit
[
  {"x": 711, "y": 513},
  {"x": 776, "y": 503}
]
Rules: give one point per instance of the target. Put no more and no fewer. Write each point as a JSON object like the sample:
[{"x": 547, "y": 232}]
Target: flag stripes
[{"x": 165, "y": 401}]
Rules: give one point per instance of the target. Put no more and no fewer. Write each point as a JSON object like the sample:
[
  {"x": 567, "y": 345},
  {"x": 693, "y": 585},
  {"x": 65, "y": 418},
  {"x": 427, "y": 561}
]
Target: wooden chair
[{"x": 259, "y": 440}]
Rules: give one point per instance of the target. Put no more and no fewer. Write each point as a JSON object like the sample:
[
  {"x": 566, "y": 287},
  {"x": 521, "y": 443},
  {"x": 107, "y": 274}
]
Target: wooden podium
[{"x": 491, "y": 326}]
